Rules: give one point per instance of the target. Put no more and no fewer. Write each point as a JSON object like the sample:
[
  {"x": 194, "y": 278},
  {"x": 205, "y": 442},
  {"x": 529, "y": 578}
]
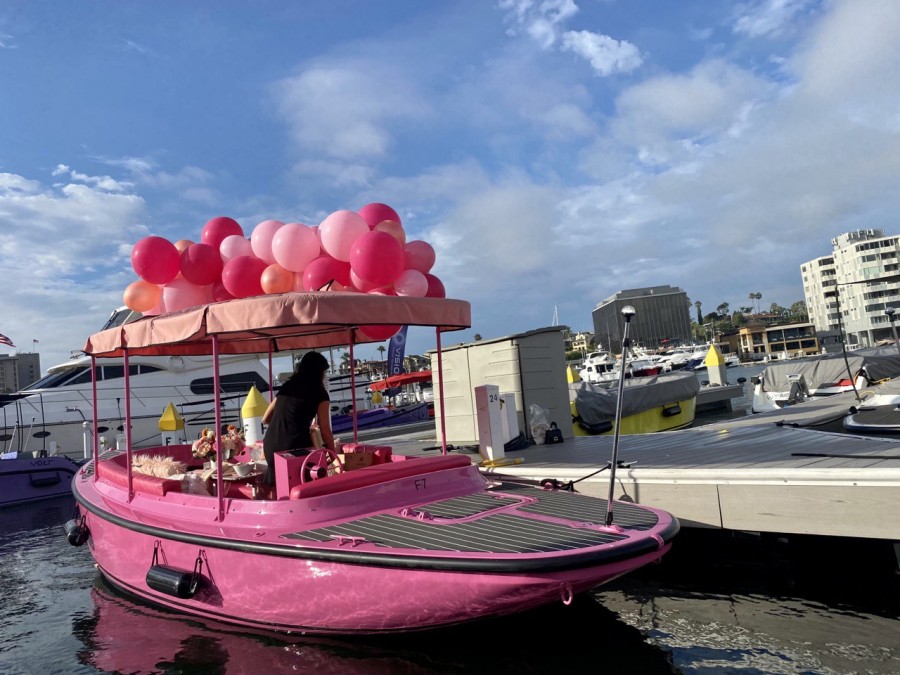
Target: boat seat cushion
[
  {"x": 377, "y": 473},
  {"x": 115, "y": 470}
]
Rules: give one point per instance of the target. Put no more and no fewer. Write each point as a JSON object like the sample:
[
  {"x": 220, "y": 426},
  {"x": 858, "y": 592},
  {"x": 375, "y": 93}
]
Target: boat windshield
[
  {"x": 120, "y": 316},
  {"x": 54, "y": 379}
]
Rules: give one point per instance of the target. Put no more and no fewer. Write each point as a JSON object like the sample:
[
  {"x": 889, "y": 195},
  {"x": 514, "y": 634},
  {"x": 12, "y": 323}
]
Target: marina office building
[
  {"x": 662, "y": 313},
  {"x": 856, "y": 283}
]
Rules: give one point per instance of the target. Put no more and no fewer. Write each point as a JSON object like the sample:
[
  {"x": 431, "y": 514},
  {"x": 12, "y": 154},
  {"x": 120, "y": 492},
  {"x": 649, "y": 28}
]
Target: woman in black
[{"x": 300, "y": 400}]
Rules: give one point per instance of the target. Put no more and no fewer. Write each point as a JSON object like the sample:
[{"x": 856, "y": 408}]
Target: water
[{"x": 734, "y": 603}]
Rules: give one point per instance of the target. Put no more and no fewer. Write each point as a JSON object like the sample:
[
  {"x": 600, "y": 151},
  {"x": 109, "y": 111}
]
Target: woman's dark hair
[{"x": 312, "y": 367}]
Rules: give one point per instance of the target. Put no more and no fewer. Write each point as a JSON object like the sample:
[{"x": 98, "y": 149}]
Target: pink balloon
[
  {"x": 393, "y": 228},
  {"x": 141, "y": 295},
  {"x": 233, "y": 246},
  {"x": 376, "y": 332},
  {"x": 419, "y": 256},
  {"x": 412, "y": 283},
  {"x": 324, "y": 270},
  {"x": 201, "y": 264},
  {"x": 375, "y": 213},
  {"x": 276, "y": 279},
  {"x": 155, "y": 259},
  {"x": 261, "y": 239},
  {"x": 295, "y": 246},
  {"x": 361, "y": 284},
  {"x": 435, "y": 287},
  {"x": 217, "y": 229},
  {"x": 383, "y": 290},
  {"x": 241, "y": 276},
  {"x": 377, "y": 257},
  {"x": 220, "y": 293},
  {"x": 158, "y": 308},
  {"x": 339, "y": 231},
  {"x": 182, "y": 294}
]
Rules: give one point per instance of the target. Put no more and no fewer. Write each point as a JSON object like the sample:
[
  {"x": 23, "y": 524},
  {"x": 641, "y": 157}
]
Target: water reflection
[{"x": 123, "y": 635}]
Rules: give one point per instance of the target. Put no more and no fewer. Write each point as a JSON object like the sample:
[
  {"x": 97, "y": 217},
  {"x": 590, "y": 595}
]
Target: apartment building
[
  {"x": 662, "y": 313},
  {"x": 850, "y": 289}
]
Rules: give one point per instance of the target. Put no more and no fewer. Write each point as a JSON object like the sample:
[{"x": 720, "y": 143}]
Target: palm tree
[{"x": 698, "y": 305}]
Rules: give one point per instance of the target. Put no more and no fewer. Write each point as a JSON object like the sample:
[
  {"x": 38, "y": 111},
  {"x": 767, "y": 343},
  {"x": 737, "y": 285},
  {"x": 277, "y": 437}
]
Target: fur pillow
[{"x": 157, "y": 465}]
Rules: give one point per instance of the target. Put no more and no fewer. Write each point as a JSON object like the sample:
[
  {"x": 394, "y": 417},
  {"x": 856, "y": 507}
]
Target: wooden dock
[{"x": 763, "y": 473}]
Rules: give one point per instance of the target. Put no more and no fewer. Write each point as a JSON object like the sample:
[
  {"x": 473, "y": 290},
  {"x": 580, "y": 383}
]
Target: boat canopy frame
[{"x": 265, "y": 325}]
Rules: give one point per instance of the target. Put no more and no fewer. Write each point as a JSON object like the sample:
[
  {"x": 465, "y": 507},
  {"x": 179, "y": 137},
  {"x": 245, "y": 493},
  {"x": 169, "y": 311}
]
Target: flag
[
  {"x": 396, "y": 350},
  {"x": 5, "y": 340}
]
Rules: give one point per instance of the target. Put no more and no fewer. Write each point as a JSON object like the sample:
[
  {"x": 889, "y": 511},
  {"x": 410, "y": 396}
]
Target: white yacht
[{"x": 52, "y": 416}]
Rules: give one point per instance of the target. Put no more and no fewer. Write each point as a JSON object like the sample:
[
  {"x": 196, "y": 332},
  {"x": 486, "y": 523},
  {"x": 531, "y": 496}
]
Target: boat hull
[
  {"x": 33, "y": 479},
  {"x": 419, "y": 552}
]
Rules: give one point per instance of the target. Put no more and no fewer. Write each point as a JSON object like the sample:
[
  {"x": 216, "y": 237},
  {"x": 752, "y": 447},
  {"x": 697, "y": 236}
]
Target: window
[{"x": 238, "y": 383}]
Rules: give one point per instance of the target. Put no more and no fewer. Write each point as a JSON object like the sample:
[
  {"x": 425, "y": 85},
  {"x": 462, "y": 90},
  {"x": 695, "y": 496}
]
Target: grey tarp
[
  {"x": 878, "y": 363},
  {"x": 596, "y": 403}
]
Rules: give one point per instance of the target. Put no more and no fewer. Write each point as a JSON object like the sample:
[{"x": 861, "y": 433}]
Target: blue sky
[{"x": 553, "y": 152}]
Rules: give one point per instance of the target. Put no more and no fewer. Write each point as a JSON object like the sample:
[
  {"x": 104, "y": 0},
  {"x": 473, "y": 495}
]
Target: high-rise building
[
  {"x": 850, "y": 289},
  {"x": 663, "y": 313},
  {"x": 18, "y": 371}
]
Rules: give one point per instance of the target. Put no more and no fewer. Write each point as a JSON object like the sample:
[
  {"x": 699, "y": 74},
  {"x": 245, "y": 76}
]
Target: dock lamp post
[
  {"x": 627, "y": 314},
  {"x": 889, "y": 312}
]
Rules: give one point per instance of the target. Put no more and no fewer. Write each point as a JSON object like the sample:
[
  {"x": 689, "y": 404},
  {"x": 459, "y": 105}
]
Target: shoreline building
[
  {"x": 19, "y": 370},
  {"x": 850, "y": 289},
  {"x": 662, "y": 313}
]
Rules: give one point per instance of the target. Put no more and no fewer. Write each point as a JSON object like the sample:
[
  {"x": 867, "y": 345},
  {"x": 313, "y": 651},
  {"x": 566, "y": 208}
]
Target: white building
[{"x": 860, "y": 279}]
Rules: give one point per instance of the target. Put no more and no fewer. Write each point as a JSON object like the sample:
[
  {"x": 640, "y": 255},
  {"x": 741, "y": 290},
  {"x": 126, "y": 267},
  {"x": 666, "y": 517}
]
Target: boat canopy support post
[
  {"x": 627, "y": 313},
  {"x": 217, "y": 397},
  {"x": 353, "y": 387},
  {"x": 95, "y": 450},
  {"x": 271, "y": 387},
  {"x": 128, "y": 451},
  {"x": 440, "y": 367}
]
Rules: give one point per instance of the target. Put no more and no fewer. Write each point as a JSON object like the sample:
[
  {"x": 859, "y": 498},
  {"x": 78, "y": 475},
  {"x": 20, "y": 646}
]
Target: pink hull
[{"x": 281, "y": 593}]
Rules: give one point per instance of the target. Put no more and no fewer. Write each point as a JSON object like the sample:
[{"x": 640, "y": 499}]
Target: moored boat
[
  {"x": 405, "y": 543},
  {"x": 25, "y": 478},
  {"x": 650, "y": 404}
]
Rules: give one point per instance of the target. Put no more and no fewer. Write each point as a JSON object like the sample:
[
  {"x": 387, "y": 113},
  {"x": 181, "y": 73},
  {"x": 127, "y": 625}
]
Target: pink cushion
[
  {"x": 378, "y": 473},
  {"x": 115, "y": 471}
]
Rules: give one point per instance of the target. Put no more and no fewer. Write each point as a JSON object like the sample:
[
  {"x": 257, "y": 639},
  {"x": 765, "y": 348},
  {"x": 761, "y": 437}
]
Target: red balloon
[
  {"x": 241, "y": 276},
  {"x": 324, "y": 270},
  {"x": 155, "y": 259},
  {"x": 217, "y": 229},
  {"x": 375, "y": 213},
  {"x": 220, "y": 293},
  {"x": 377, "y": 332},
  {"x": 419, "y": 256},
  {"x": 435, "y": 287},
  {"x": 377, "y": 257},
  {"x": 201, "y": 264}
]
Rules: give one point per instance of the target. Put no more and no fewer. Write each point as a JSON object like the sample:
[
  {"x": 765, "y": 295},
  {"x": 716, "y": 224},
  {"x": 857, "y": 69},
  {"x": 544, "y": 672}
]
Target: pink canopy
[{"x": 281, "y": 322}]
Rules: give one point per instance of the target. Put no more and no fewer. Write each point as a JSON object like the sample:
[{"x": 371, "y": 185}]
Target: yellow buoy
[{"x": 171, "y": 420}]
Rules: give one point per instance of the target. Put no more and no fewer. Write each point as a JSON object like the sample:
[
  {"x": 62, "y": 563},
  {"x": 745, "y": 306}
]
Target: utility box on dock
[{"x": 530, "y": 365}]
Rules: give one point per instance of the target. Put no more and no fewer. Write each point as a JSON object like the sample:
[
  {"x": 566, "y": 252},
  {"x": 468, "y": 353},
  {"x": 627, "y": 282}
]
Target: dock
[{"x": 777, "y": 472}]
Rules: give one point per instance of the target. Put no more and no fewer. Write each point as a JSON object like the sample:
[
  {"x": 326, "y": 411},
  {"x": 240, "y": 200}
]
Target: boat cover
[
  {"x": 280, "y": 322},
  {"x": 597, "y": 403},
  {"x": 878, "y": 363}
]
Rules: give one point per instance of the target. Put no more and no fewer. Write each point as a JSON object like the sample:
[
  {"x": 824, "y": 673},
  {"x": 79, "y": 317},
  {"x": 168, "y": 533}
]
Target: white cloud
[
  {"x": 343, "y": 110},
  {"x": 768, "y": 18},
  {"x": 606, "y": 55},
  {"x": 540, "y": 20}
]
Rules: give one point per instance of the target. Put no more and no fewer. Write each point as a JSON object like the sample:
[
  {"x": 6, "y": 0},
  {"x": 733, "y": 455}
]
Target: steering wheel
[{"x": 320, "y": 463}]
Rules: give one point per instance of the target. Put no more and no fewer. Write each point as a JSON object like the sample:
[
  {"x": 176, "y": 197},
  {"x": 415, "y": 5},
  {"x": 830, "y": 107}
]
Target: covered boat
[
  {"x": 794, "y": 381},
  {"x": 649, "y": 404},
  {"x": 404, "y": 543}
]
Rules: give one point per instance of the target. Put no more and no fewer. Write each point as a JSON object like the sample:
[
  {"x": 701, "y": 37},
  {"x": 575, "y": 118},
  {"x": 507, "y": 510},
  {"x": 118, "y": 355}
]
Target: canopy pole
[
  {"x": 440, "y": 365},
  {"x": 95, "y": 449},
  {"x": 217, "y": 397},
  {"x": 353, "y": 390},
  {"x": 128, "y": 451},
  {"x": 271, "y": 389}
]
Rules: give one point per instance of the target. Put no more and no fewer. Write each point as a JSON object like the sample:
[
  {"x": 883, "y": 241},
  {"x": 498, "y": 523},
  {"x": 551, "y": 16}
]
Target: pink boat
[{"x": 405, "y": 543}]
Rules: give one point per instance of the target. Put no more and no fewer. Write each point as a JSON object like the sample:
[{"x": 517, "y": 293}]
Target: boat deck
[{"x": 775, "y": 472}]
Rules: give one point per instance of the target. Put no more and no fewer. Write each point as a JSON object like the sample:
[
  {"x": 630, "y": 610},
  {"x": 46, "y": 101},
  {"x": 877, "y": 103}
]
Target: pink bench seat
[
  {"x": 115, "y": 470},
  {"x": 377, "y": 473}
]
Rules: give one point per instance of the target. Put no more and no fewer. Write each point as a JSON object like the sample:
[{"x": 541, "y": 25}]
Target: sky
[{"x": 552, "y": 152}]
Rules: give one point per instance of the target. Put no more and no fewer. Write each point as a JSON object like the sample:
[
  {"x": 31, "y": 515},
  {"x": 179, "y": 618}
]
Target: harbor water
[{"x": 718, "y": 603}]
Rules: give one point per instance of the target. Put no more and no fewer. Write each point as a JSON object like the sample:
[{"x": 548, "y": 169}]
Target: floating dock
[{"x": 776, "y": 472}]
